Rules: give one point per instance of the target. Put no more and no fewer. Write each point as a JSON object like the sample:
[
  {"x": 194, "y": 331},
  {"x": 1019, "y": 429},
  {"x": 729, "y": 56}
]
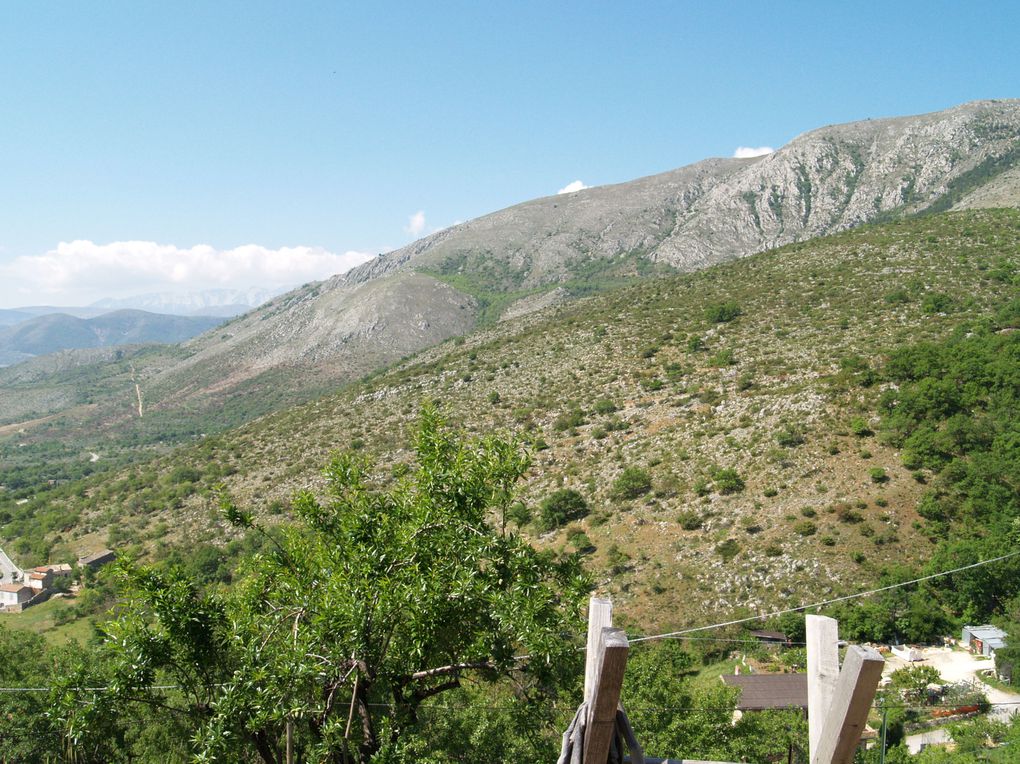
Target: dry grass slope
[{"x": 766, "y": 483}]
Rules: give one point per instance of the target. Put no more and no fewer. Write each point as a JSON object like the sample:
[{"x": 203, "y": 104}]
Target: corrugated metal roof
[{"x": 986, "y": 632}]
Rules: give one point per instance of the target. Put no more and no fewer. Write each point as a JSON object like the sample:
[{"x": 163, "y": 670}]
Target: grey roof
[
  {"x": 776, "y": 636},
  {"x": 986, "y": 632},
  {"x": 102, "y": 556},
  {"x": 761, "y": 691}
]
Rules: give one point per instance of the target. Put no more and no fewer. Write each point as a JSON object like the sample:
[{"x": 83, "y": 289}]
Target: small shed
[
  {"x": 759, "y": 692},
  {"x": 15, "y": 595},
  {"x": 771, "y": 637},
  {"x": 983, "y": 640},
  {"x": 97, "y": 560}
]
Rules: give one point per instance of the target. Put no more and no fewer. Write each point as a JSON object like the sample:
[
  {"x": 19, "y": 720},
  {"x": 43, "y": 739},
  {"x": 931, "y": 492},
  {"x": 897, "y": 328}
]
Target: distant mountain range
[
  {"x": 209, "y": 302},
  {"x": 52, "y": 332},
  {"x": 13, "y": 316}
]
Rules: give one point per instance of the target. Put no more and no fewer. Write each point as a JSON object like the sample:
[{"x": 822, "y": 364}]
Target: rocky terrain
[
  {"x": 742, "y": 400},
  {"x": 824, "y": 181},
  {"x": 544, "y": 252}
]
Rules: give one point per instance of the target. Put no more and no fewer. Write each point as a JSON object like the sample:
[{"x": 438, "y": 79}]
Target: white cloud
[
  {"x": 746, "y": 152},
  {"x": 416, "y": 223},
  {"x": 81, "y": 272},
  {"x": 572, "y": 187}
]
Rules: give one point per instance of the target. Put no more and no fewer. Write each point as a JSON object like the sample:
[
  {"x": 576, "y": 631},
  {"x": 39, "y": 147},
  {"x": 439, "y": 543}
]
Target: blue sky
[{"x": 314, "y": 131}]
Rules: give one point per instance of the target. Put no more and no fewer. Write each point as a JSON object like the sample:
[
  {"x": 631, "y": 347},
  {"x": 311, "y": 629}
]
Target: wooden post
[
  {"x": 823, "y": 671},
  {"x": 844, "y": 722},
  {"x": 600, "y": 615},
  {"x": 606, "y": 696}
]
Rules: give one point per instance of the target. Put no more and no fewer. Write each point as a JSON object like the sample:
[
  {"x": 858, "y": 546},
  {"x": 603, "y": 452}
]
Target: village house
[
  {"x": 39, "y": 579},
  {"x": 60, "y": 570},
  {"x": 14, "y": 596}
]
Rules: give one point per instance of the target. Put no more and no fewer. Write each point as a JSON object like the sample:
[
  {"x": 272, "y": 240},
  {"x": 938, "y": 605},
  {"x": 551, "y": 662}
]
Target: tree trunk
[{"x": 369, "y": 743}]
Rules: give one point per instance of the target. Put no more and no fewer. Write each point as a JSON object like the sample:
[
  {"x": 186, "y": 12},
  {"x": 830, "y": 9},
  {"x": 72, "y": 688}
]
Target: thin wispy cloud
[
  {"x": 81, "y": 272},
  {"x": 747, "y": 152},
  {"x": 416, "y": 223},
  {"x": 570, "y": 188}
]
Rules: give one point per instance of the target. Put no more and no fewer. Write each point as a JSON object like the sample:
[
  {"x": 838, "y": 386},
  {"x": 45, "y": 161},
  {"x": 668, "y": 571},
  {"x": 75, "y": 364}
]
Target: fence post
[
  {"x": 601, "y": 728},
  {"x": 846, "y": 717},
  {"x": 600, "y": 616},
  {"x": 823, "y": 670},
  {"x": 838, "y": 699}
]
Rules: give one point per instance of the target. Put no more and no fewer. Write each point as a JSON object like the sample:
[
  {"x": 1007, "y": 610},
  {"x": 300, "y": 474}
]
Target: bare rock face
[{"x": 823, "y": 181}]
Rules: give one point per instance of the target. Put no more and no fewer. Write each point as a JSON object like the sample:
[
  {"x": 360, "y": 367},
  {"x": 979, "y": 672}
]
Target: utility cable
[{"x": 823, "y": 603}]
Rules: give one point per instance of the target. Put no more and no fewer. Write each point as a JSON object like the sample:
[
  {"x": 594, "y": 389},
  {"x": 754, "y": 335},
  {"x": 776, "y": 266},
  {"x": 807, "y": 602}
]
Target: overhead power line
[{"x": 823, "y": 603}]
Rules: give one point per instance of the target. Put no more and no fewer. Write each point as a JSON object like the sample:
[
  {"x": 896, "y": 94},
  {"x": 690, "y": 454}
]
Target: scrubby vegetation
[{"x": 834, "y": 432}]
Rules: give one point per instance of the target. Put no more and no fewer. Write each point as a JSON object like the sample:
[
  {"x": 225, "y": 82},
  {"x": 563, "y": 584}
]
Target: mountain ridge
[
  {"x": 561, "y": 247},
  {"x": 825, "y": 180}
]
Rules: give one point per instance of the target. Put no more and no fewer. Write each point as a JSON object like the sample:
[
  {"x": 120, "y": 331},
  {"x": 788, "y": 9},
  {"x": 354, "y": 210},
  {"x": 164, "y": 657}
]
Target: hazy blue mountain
[{"x": 59, "y": 331}]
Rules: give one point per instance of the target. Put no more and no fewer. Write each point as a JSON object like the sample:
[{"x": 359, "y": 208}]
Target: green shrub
[
  {"x": 727, "y": 481},
  {"x": 689, "y": 520},
  {"x": 722, "y": 312},
  {"x": 578, "y": 539},
  {"x": 519, "y": 513},
  {"x": 569, "y": 419},
  {"x": 724, "y": 357},
  {"x": 789, "y": 436},
  {"x": 728, "y": 549},
  {"x": 938, "y": 302},
  {"x": 848, "y": 515},
  {"x": 805, "y": 528},
  {"x": 897, "y": 297},
  {"x": 604, "y": 406},
  {"x": 859, "y": 427},
  {"x": 617, "y": 559},
  {"x": 561, "y": 507},
  {"x": 878, "y": 475},
  {"x": 631, "y": 483}
]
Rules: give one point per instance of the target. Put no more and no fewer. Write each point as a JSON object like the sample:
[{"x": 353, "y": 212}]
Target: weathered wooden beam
[
  {"x": 851, "y": 701},
  {"x": 653, "y": 760},
  {"x": 601, "y": 725},
  {"x": 823, "y": 671},
  {"x": 600, "y": 616}
]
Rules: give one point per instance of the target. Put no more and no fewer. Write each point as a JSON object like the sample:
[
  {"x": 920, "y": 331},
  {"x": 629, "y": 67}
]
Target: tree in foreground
[{"x": 341, "y": 633}]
